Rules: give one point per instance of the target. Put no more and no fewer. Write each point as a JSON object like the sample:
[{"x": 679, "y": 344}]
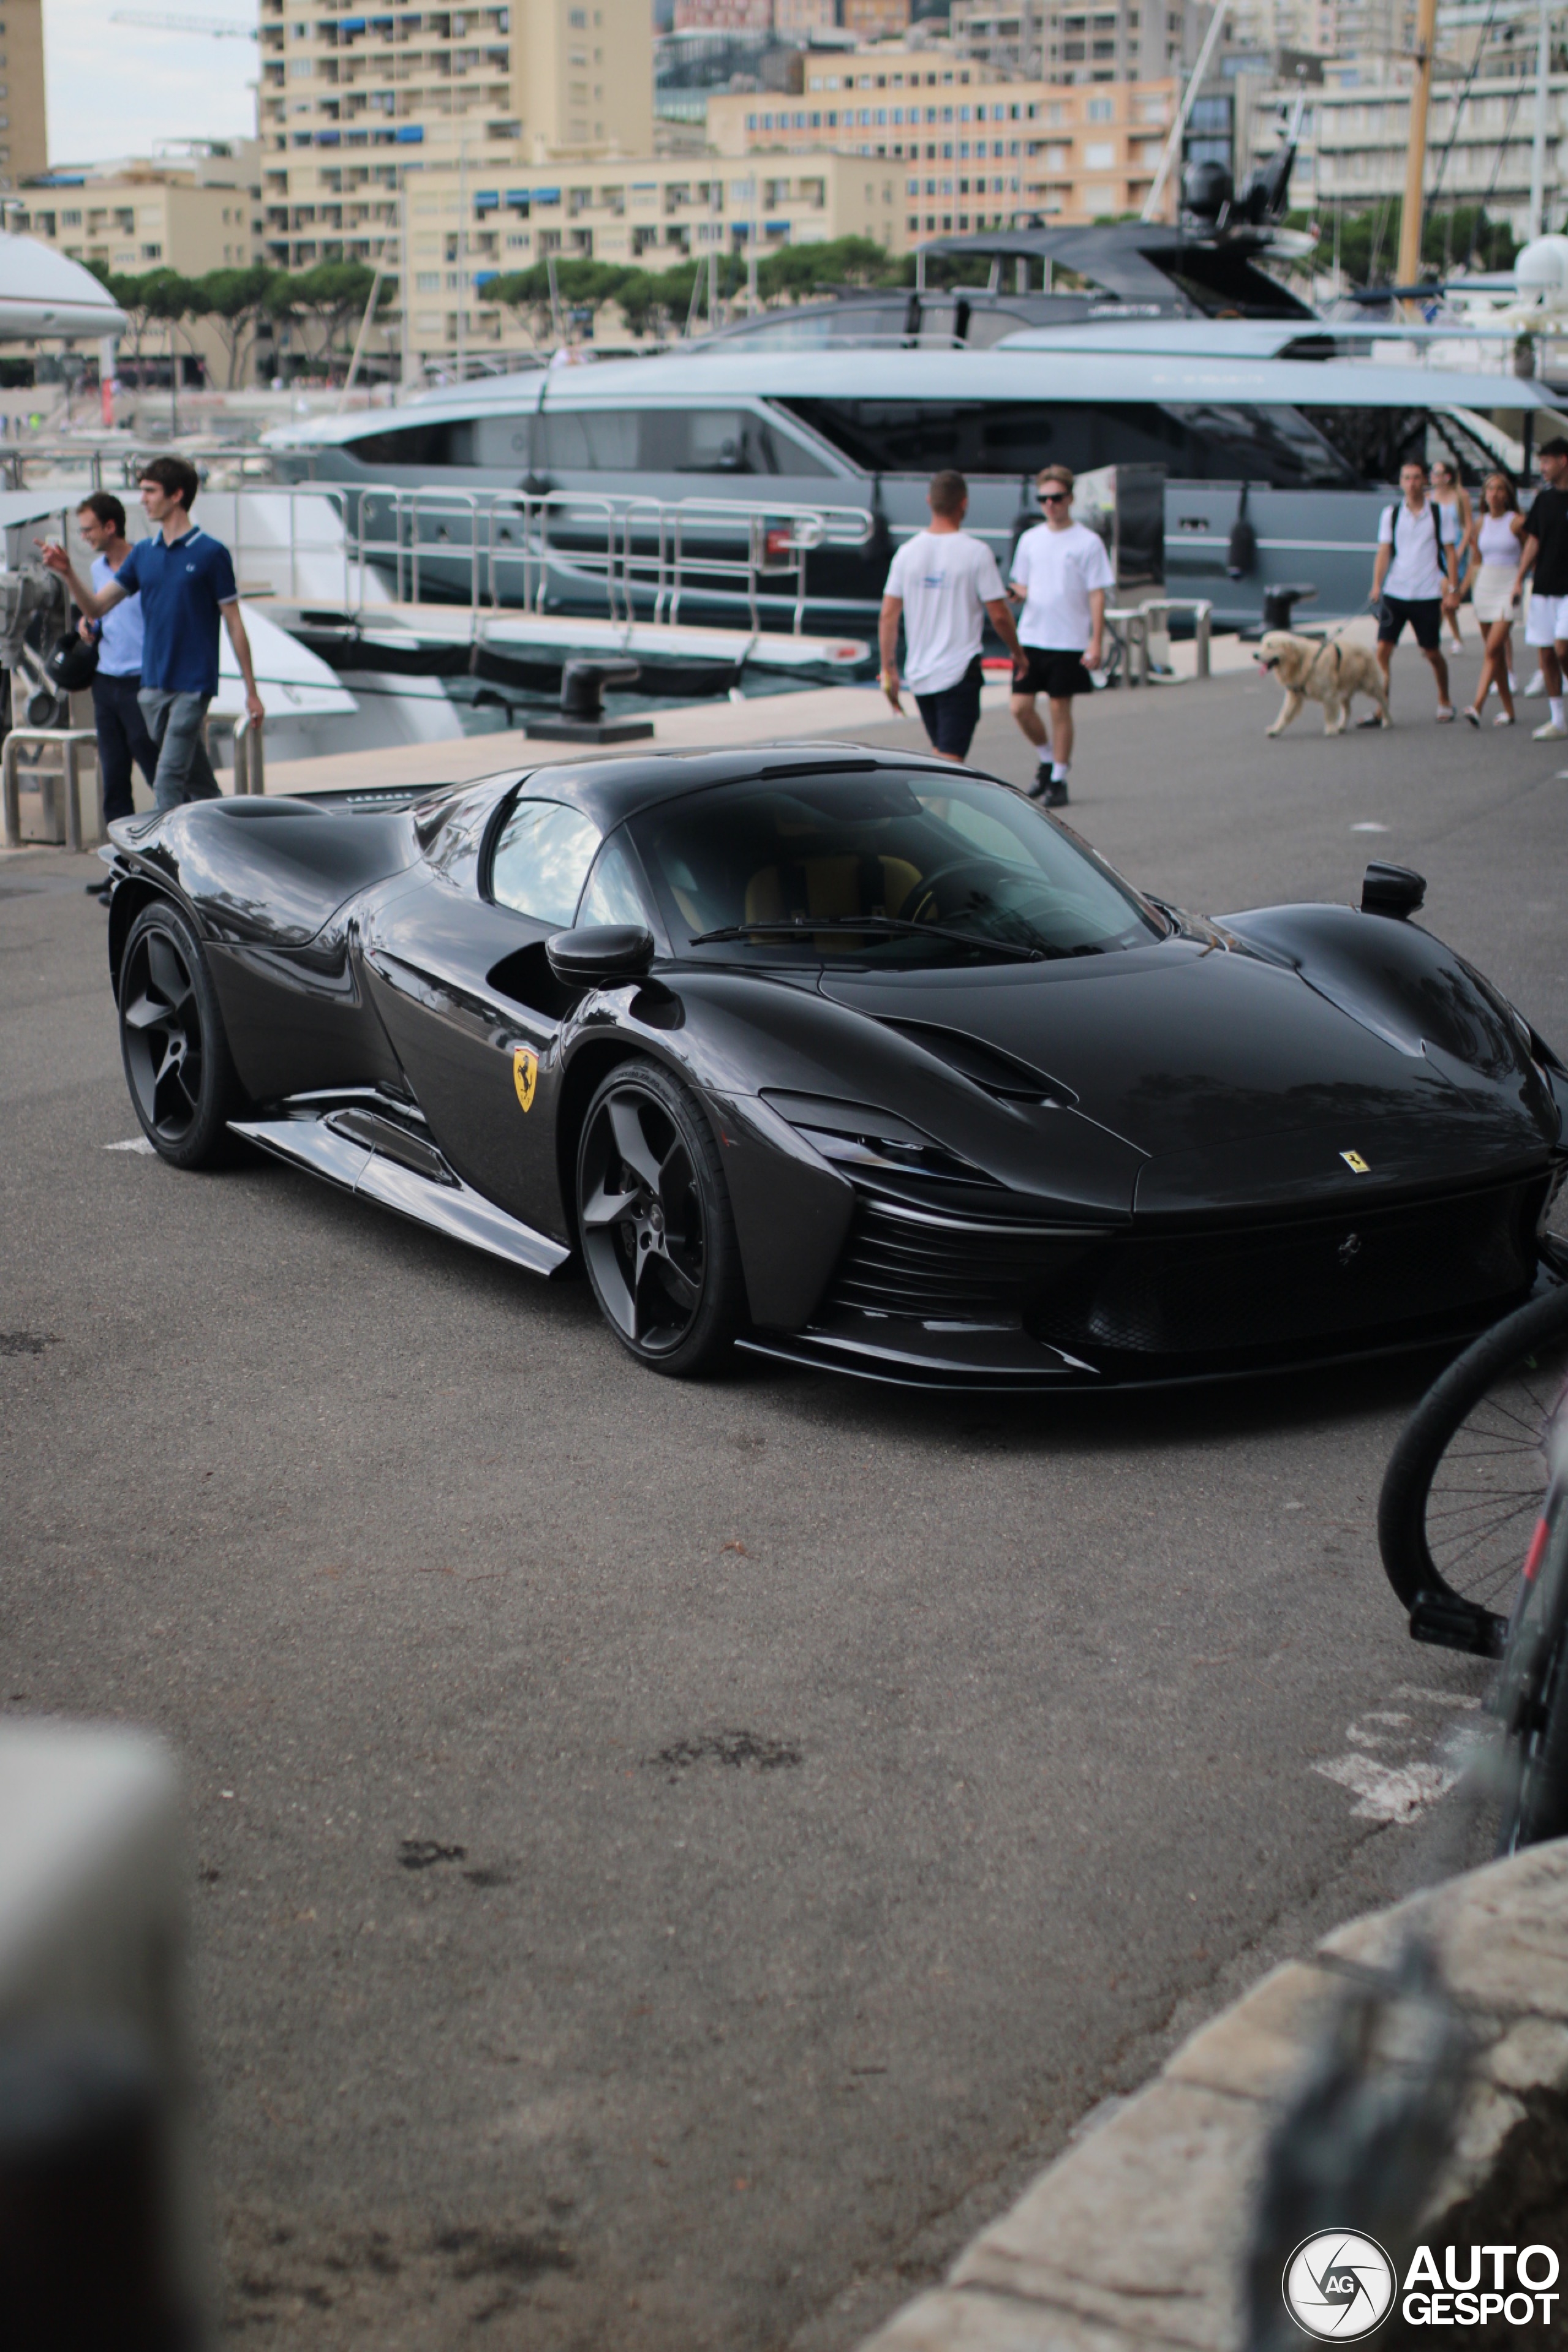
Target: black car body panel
[{"x": 1294, "y": 1135}]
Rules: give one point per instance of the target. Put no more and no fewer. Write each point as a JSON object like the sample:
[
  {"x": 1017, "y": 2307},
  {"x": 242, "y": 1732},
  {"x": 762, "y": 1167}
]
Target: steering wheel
[{"x": 921, "y": 905}]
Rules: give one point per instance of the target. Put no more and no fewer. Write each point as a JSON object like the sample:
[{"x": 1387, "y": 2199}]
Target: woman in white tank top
[
  {"x": 1447, "y": 490},
  {"x": 1493, "y": 546}
]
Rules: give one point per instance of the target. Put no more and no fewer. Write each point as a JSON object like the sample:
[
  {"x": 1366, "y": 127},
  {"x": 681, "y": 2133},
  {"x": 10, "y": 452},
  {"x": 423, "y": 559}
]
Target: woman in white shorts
[{"x": 1492, "y": 545}]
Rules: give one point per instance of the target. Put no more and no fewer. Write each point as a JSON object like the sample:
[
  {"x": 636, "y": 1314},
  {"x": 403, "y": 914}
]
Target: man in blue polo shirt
[{"x": 185, "y": 580}]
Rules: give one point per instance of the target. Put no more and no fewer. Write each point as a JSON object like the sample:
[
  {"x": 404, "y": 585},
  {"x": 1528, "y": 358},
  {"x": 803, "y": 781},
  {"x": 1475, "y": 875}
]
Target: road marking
[
  {"x": 1369, "y": 828},
  {"x": 1388, "y": 1792},
  {"x": 1400, "y": 1791},
  {"x": 131, "y": 1143}
]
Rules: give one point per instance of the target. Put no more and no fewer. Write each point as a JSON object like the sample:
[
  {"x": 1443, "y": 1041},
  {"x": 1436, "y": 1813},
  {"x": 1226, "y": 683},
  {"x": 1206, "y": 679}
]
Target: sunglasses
[{"x": 1056, "y": 497}]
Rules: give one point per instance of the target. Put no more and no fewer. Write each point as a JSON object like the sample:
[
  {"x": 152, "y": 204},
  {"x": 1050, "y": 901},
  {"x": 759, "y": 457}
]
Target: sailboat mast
[
  {"x": 1409, "y": 264},
  {"x": 1538, "y": 149}
]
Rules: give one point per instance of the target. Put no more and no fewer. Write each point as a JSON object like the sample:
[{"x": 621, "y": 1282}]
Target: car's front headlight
[{"x": 858, "y": 1135}]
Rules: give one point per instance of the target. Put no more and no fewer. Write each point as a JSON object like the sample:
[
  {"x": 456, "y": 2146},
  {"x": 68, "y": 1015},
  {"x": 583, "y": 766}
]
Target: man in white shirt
[
  {"x": 1061, "y": 571},
  {"x": 943, "y": 585},
  {"x": 1413, "y": 570}
]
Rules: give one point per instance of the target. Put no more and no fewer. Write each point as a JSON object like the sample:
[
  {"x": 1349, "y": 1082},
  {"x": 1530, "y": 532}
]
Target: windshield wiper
[{"x": 793, "y": 925}]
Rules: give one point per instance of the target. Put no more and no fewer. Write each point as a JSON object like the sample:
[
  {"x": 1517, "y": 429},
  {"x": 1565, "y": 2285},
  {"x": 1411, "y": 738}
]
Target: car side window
[
  {"x": 542, "y": 859},
  {"x": 613, "y": 894}
]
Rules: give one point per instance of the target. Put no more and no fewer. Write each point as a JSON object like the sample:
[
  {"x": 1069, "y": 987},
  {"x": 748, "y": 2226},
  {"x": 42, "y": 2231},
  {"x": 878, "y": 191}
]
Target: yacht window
[
  {"x": 542, "y": 859},
  {"x": 501, "y": 441},
  {"x": 1207, "y": 442},
  {"x": 414, "y": 445},
  {"x": 1375, "y": 441},
  {"x": 705, "y": 441},
  {"x": 602, "y": 440}
]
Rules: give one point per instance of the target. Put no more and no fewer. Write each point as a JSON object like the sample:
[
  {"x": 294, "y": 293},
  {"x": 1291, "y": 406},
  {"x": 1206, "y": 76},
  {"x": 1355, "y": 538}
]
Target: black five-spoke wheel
[
  {"x": 170, "y": 1034},
  {"x": 659, "y": 1239}
]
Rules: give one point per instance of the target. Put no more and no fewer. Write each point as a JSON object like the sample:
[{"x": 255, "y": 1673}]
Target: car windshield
[{"x": 881, "y": 868}]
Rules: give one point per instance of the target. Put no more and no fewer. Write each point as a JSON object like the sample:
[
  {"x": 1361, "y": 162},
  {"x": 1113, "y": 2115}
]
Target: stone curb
[{"x": 1132, "y": 2239}]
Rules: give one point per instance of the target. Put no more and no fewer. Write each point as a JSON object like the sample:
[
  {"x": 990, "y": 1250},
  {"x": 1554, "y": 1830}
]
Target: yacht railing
[
  {"x": 355, "y": 548},
  {"x": 635, "y": 558}
]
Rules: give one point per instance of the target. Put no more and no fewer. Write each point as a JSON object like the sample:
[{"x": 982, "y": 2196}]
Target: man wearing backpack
[{"x": 1415, "y": 568}]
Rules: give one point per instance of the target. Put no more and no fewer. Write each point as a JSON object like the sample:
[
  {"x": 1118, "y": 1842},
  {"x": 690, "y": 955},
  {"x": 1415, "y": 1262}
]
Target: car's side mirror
[
  {"x": 600, "y": 955},
  {"x": 1396, "y": 890}
]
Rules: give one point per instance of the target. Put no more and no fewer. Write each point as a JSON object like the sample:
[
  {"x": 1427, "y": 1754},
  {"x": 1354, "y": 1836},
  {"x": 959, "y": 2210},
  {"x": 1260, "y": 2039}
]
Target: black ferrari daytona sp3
[{"x": 856, "y": 1060}]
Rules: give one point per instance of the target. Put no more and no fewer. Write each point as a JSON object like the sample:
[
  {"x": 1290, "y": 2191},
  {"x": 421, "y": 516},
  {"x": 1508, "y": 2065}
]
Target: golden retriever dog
[{"x": 1314, "y": 669}]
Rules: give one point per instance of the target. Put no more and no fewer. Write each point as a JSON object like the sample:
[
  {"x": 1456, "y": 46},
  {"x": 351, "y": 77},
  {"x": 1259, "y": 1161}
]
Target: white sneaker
[
  {"x": 1549, "y": 733},
  {"x": 1503, "y": 718},
  {"x": 1537, "y": 686},
  {"x": 1445, "y": 714}
]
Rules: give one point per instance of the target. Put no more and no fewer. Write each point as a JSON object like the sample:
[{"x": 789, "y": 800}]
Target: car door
[{"x": 460, "y": 978}]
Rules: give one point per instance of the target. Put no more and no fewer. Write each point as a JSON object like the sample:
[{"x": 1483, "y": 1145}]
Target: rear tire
[
  {"x": 657, "y": 1233},
  {"x": 178, "y": 1067}
]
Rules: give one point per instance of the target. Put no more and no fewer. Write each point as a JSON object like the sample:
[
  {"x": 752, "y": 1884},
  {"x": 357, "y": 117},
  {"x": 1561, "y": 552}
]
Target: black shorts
[
  {"x": 953, "y": 713},
  {"x": 1424, "y": 614},
  {"x": 1049, "y": 670}
]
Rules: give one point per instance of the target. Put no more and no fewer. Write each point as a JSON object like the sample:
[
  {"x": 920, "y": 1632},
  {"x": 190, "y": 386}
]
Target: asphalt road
[{"x": 668, "y": 1862}]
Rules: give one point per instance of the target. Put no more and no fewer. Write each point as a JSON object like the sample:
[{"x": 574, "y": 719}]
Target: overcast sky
[{"x": 116, "y": 90}]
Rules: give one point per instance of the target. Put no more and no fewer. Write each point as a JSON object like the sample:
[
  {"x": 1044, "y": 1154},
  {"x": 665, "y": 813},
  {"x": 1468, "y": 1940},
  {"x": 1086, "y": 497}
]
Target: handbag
[{"x": 72, "y": 665}]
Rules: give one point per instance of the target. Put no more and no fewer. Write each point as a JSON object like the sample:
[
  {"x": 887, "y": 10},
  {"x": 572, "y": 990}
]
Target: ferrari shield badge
[
  {"x": 1352, "y": 1159},
  {"x": 524, "y": 1074}
]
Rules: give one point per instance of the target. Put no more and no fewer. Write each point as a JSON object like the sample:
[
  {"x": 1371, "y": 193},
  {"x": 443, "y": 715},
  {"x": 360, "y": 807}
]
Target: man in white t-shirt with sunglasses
[{"x": 1062, "y": 571}]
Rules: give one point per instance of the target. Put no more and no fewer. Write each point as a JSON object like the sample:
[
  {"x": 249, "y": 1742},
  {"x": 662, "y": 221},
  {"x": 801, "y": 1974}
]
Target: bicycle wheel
[
  {"x": 1464, "y": 1485},
  {"x": 1532, "y": 1701}
]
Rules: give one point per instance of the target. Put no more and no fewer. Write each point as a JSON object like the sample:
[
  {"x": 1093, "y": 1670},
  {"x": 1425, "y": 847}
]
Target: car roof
[{"x": 610, "y": 791}]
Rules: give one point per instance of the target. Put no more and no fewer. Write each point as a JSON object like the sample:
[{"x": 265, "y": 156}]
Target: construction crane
[{"x": 156, "y": 21}]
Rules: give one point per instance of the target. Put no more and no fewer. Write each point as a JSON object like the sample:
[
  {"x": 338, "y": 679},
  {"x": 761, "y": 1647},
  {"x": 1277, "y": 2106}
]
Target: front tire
[
  {"x": 178, "y": 1067},
  {"x": 657, "y": 1233}
]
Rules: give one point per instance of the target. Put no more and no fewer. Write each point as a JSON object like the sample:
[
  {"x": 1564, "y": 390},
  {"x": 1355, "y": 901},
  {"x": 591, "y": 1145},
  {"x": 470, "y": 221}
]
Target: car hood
[{"x": 1243, "y": 1080}]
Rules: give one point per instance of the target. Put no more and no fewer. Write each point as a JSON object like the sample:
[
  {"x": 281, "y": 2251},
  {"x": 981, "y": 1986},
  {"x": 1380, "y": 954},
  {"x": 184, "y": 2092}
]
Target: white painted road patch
[
  {"x": 1388, "y": 1792},
  {"x": 131, "y": 1143}
]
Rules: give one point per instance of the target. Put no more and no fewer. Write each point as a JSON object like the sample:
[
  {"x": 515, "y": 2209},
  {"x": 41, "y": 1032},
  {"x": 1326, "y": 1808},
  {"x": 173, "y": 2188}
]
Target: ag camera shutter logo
[{"x": 1338, "y": 2285}]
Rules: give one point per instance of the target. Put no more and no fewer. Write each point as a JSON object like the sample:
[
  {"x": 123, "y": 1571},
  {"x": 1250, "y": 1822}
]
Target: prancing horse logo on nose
[{"x": 1356, "y": 1164}]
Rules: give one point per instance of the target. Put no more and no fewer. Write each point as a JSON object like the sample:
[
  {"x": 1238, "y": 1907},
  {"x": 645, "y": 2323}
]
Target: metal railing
[
  {"x": 54, "y": 785},
  {"x": 249, "y": 771},
  {"x": 513, "y": 550},
  {"x": 494, "y": 548},
  {"x": 1134, "y": 625}
]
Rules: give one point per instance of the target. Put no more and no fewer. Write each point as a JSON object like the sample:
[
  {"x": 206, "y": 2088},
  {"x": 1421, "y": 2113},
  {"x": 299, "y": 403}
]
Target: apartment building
[
  {"x": 1355, "y": 133},
  {"x": 191, "y": 212},
  {"x": 24, "y": 147},
  {"x": 723, "y": 15},
  {"x": 352, "y": 107},
  {"x": 653, "y": 212},
  {"x": 869, "y": 20},
  {"x": 1119, "y": 40},
  {"x": 988, "y": 151}
]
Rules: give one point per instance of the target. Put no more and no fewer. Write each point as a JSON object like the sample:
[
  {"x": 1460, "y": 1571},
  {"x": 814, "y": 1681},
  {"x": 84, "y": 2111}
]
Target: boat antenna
[{"x": 1172, "y": 149}]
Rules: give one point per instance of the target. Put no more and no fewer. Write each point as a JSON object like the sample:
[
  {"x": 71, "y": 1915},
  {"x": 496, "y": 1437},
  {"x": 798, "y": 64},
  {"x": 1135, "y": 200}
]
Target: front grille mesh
[
  {"x": 893, "y": 1264},
  {"x": 1250, "y": 1289}
]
